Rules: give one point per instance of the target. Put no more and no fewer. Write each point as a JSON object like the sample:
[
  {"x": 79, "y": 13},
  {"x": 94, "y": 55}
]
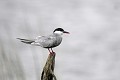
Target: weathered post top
[{"x": 48, "y": 70}]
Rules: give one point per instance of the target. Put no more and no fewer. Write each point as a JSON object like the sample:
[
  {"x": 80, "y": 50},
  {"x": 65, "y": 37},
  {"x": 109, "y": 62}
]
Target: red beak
[{"x": 66, "y": 32}]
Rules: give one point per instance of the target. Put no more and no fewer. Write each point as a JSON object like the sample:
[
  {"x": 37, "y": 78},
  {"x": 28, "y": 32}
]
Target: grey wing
[{"x": 45, "y": 41}]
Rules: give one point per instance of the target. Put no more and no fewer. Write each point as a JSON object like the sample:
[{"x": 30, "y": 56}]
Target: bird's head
[{"x": 60, "y": 31}]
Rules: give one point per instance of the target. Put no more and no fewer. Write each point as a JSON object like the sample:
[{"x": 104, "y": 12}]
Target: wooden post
[{"x": 48, "y": 70}]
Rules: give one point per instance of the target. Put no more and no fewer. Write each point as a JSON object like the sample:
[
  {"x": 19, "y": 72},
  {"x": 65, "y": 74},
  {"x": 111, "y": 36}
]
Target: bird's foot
[{"x": 52, "y": 53}]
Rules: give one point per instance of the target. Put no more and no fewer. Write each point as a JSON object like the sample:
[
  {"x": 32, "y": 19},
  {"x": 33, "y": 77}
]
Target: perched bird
[{"x": 49, "y": 41}]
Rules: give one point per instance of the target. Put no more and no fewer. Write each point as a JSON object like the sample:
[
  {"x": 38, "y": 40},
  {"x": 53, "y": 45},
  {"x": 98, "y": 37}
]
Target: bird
[{"x": 49, "y": 41}]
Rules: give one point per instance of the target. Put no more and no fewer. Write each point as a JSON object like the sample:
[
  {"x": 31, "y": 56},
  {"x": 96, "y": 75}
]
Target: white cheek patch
[{"x": 58, "y": 32}]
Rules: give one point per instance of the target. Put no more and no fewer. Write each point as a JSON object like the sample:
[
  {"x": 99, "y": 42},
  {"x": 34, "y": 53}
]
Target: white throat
[{"x": 58, "y": 32}]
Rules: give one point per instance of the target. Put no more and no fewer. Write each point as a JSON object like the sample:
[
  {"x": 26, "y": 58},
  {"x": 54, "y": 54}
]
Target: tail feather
[{"x": 26, "y": 41}]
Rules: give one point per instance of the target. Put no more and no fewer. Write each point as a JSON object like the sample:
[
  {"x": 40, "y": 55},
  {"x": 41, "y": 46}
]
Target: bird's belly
[
  {"x": 53, "y": 44},
  {"x": 56, "y": 44}
]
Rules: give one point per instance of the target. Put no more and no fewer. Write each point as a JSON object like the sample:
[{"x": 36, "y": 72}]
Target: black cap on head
[{"x": 59, "y": 29}]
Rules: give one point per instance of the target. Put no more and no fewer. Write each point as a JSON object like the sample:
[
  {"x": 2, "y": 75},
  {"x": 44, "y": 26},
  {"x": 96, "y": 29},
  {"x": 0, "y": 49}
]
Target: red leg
[
  {"x": 49, "y": 50},
  {"x": 52, "y": 51}
]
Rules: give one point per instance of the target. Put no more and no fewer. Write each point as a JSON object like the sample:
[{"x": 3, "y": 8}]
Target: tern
[{"x": 49, "y": 41}]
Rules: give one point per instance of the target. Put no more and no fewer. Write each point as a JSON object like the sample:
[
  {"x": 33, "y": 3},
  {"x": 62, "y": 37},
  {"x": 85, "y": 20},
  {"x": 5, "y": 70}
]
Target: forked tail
[{"x": 26, "y": 41}]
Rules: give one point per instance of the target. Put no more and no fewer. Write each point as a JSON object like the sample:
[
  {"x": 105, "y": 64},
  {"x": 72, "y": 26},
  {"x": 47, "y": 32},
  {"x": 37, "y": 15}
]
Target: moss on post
[{"x": 48, "y": 70}]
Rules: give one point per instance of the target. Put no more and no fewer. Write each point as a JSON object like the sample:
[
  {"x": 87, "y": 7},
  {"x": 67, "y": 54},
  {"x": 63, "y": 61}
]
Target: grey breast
[{"x": 48, "y": 41}]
